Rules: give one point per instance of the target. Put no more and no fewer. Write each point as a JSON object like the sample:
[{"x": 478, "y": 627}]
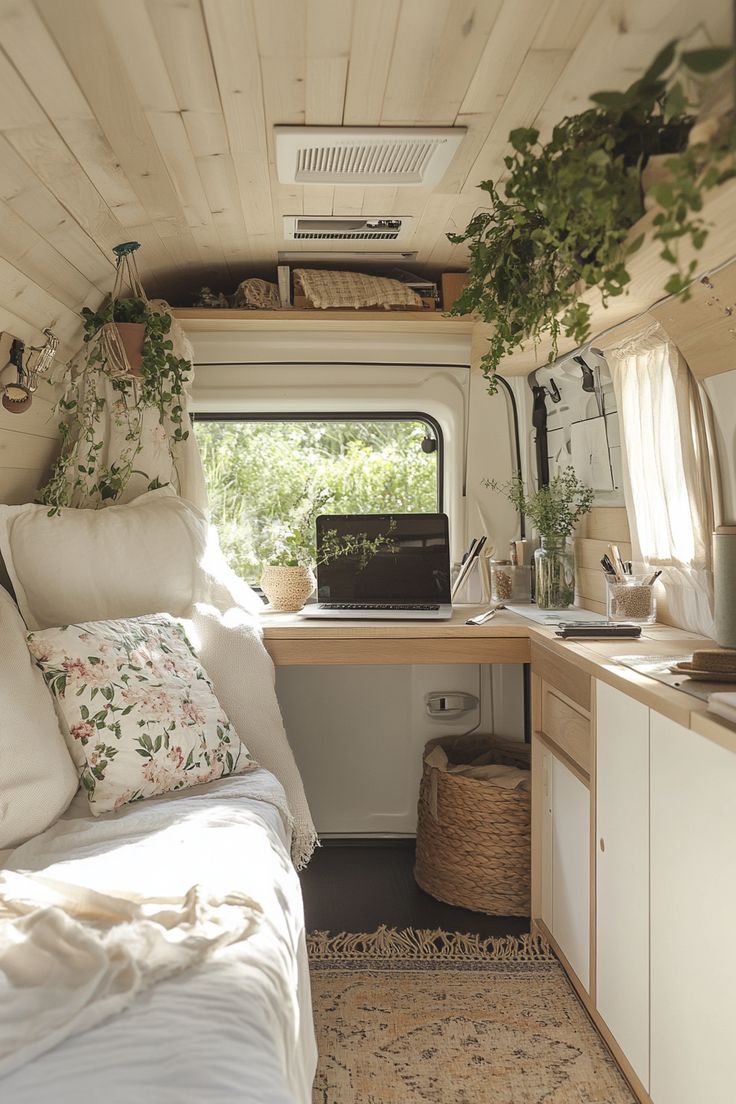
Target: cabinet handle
[{"x": 603, "y": 844}]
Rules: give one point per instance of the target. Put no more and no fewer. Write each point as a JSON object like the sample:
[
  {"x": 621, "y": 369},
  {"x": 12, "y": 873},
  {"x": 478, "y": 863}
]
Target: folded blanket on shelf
[{"x": 353, "y": 289}]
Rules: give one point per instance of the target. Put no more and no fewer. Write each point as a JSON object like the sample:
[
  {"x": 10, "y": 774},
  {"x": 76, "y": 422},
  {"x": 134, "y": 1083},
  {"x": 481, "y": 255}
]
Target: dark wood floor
[{"x": 357, "y": 886}]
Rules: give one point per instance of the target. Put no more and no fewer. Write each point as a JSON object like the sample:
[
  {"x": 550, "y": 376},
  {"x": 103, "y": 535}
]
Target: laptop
[{"x": 382, "y": 566}]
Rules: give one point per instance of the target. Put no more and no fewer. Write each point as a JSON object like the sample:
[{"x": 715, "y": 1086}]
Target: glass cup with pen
[{"x": 629, "y": 596}]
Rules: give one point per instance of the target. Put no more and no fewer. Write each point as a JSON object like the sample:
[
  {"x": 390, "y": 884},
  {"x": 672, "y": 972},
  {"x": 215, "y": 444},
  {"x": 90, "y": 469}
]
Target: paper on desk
[{"x": 590, "y": 458}]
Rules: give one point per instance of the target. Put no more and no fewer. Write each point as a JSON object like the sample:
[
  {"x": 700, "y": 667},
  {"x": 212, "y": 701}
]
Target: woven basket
[{"x": 474, "y": 838}]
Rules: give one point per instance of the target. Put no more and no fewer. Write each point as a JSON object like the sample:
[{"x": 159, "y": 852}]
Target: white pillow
[
  {"x": 242, "y": 672},
  {"x": 137, "y": 709},
  {"x": 37, "y": 776},
  {"x": 93, "y": 565}
]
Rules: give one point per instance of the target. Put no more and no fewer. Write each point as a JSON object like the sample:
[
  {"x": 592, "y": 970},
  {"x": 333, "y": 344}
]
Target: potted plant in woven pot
[
  {"x": 554, "y": 511},
  {"x": 289, "y": 580},
  {"x": 561, "y": 222}
]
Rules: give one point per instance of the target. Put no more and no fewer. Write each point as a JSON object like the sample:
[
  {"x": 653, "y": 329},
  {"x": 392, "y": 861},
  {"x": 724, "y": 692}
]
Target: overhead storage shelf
[
  {"x": 201, "y": 320},
  {"x": 700, "y": 317}
]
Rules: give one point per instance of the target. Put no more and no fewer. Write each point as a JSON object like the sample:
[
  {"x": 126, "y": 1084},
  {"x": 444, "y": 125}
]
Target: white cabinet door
[
  {"x": 693, "y": 901},
  {"x": 566, "y": 864},
  {"x": 622, "y": 873}
]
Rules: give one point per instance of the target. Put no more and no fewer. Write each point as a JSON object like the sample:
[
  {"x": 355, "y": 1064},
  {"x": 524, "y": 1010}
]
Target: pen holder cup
[{"x": 631, "y": 598}]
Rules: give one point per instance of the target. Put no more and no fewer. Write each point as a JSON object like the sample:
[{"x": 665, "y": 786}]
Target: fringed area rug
[{"x": 430, "y": 1017}]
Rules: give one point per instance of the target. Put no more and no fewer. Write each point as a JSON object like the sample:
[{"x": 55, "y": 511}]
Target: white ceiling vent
[
  {"x": 365, "y": 155},
  {"x": 337, "y": 228}
]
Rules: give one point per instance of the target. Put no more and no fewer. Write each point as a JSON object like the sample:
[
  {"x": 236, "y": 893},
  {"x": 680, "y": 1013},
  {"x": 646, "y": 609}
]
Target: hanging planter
[
  {"x": 125, "y": 401},
  {"x": 131, "y": 336},
  {"x": 560, "y": 223}
]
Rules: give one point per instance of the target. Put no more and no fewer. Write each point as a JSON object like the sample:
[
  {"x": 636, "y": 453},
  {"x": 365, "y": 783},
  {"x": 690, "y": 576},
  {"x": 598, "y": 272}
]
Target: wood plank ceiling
[{"x": 152, "y": 119}]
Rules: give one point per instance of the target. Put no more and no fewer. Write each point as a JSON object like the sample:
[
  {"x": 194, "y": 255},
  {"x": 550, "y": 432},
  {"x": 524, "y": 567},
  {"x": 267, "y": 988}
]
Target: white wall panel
[{"x": 358, "y": 735}]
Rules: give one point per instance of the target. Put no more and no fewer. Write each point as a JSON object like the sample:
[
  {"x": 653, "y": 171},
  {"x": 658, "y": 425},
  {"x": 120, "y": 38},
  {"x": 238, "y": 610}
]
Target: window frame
[{"x": 338, "y": 416}]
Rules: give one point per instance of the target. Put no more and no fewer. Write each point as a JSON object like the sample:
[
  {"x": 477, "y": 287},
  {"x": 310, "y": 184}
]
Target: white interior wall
[
  {"x": 721, "y": 391},
  {"x": 358, "y": 732}
]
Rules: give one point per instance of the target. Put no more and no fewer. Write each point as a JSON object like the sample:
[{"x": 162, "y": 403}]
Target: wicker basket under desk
[{"x": 474, "y": 838}]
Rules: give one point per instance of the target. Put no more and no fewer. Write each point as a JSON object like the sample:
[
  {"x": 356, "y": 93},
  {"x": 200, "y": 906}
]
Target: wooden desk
[{"x": 297, "y": 641}]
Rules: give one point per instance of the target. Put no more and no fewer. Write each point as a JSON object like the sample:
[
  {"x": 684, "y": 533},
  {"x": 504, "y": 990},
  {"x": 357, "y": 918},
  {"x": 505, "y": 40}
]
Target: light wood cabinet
[
  {"x": 567, "y": 727},
  {"x": 693, "y": 906},
  {"x": 651, "y": 838},
  {"x": 622, "y": 873},
  {"x": 565, "y": 845}
]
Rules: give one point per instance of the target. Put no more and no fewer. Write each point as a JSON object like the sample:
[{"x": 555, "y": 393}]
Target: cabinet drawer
[
  {"x": 566, "y": 727},
  {"x": 562, "y": 674}
]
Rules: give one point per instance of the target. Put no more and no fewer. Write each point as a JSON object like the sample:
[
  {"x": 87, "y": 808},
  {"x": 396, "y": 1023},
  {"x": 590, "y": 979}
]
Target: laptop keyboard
[{"x": 401, "y": 606}]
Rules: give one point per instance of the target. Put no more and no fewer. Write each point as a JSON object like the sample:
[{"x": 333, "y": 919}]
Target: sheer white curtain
[{"x": 668, "y": 486}]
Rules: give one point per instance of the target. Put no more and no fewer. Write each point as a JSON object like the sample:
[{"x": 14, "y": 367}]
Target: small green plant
[
  {"x": 297, "y": 545},
  {"x": 559, "y": 224},
  {"x": 554, "y": 510},
  {"x": 359, "y": 545},
  {"x": 116, "y": 310},
  {"x": 295, "y": 538},
  {"x": 80, "y": 477}
]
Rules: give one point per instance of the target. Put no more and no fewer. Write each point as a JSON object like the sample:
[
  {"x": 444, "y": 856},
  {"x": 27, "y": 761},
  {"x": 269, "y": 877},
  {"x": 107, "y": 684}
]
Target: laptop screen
[{"x": 383, "y": 558}]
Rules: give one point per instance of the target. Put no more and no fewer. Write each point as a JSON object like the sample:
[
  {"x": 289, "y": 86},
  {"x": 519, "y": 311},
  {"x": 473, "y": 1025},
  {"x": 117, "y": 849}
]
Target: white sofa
[
  {"x": 237, "y": 1027},
  {"x": 236, "y": 1030}
]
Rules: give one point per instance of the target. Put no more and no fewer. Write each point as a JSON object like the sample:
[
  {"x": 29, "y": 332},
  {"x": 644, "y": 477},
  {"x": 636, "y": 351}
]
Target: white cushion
[
  {"x": 243, "y": 676},
  {"x": 37, "y": 776},
  {"x": 137, "y": 709},
  {"x": 96, "y": 565}
]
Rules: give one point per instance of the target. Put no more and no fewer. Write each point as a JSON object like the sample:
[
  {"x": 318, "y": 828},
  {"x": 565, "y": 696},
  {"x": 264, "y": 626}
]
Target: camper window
[{"x": 267, "y": 474}]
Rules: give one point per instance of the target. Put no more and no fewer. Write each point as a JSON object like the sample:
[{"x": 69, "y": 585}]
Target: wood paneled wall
[
  {"x": 601, "y": 527},
  {"x": 29, "y": 443}
]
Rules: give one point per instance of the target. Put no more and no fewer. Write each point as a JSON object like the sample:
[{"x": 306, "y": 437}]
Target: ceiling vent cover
[
  {"x": 365, "y": 155},
  {"x": 337, "y": 228}
]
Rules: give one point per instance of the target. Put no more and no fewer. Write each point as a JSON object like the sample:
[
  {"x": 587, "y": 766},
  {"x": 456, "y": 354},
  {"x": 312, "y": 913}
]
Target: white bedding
[{"x": 238, "y": 1029}]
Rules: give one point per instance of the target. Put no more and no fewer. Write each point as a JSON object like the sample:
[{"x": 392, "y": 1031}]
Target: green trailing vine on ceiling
[{"x": 559, "y": 224}]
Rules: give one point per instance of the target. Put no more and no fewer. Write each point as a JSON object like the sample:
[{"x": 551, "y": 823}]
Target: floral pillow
[{"x": 137, "y": 709}]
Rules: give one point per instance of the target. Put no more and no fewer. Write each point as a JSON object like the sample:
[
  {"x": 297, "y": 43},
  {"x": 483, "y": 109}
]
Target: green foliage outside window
[{"x": 262, "y": 477}]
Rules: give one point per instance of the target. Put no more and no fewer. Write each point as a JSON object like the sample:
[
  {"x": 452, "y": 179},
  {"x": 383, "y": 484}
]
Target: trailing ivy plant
[
  {"x": 559, "y": 223},
  {"x": 145, "y": 411},
  {"x": 297, "y": 545}
]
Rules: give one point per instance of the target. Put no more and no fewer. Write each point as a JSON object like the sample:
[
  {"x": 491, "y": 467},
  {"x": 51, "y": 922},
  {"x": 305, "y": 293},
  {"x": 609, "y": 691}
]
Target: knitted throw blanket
[{"x": 353, "y": 289}]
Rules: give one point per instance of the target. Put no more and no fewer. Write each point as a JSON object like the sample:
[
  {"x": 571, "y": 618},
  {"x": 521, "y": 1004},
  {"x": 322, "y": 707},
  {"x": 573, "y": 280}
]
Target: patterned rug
[{"x": 419, "y": 1017}]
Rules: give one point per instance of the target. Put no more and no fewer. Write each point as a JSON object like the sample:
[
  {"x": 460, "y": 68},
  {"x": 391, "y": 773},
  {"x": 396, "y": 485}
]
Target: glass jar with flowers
[{"x": 554, "y": 511}]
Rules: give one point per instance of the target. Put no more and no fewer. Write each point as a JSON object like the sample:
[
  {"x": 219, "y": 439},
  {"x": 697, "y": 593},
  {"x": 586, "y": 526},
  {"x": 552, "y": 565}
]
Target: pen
[{"x": 607, "y": 565}]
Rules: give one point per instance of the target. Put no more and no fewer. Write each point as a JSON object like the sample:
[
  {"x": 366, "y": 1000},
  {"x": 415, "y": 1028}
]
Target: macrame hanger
[
  {"x": 126, "y": 274},
  {"x": 126, "y": 271}
]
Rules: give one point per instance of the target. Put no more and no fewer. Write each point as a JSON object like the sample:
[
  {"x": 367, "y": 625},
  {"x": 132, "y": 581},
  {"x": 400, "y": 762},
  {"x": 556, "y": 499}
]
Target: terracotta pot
[
  {"x": 287, "y": 588},
  {"x": 132, "y": 336}
]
